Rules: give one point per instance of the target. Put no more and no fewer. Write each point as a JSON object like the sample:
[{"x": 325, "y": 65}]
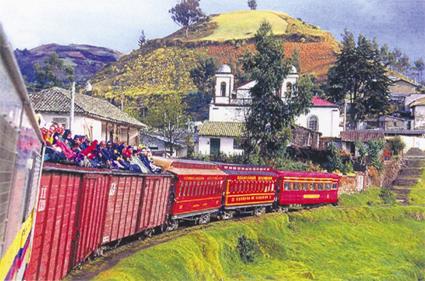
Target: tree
[
  {"x": 295, "y": 60},
  {"x": 166, "y": 114},
  {"x": 142, "y": 39},
  {"x": 203, "y": 74},
  {"x": 252, "y": 4},
  {"x": 186, "y": 13},
  {"x": 270, "y": 116},
  {"x": 359, "y": 76},
  {"x": 53, "y": 72},
  {"x": 419, "y": 67}
]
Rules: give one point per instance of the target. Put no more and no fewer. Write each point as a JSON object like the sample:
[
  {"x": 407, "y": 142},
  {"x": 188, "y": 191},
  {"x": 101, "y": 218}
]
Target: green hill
[
  {"x": 370, "y": 241},
  {"x": 163, "y": 65},
  {"x": 244, "y": 24}
]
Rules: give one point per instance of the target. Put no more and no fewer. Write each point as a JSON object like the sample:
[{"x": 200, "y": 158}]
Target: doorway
[{"x": 214, "y": 147}]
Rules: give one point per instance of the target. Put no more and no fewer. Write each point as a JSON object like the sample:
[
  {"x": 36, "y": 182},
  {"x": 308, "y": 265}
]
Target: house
[
  {"x": 418, "y": 112},
  {"x": 159, "y": 146},
  {"x": 94, "y": 117},
  {"x": 229, "y": 106}
]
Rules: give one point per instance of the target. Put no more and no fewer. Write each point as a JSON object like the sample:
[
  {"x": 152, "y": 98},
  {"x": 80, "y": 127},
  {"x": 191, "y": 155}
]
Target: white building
[
  {"x": 229, "y": 106},
  {"x": 94, "y": 117}
]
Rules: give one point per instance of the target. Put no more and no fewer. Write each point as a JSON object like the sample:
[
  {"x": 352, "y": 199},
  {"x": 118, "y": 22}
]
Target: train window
[
  {"x": 296, "y": 186},
  {"x": 320, "y": 186},
  {"x": 286, "y": 185},
  {"x": 305, "y": 186},
  {"x": 328, "y": 186},
  {"x": 334, "y": 186}
]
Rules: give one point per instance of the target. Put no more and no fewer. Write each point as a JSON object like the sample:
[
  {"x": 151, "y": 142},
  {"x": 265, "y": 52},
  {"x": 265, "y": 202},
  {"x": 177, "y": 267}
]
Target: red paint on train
[
  {"x": 307, "y": 188},
  {"x": 249, "y": 186}
]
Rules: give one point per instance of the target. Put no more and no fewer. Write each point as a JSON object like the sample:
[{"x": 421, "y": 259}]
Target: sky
[{"x": 117, "y": 24}]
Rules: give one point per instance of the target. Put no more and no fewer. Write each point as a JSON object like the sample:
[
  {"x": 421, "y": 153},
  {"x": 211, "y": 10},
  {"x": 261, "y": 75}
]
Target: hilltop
[
  {"x": 86, "y": 60},
  {"x": 163, "y": 65}
]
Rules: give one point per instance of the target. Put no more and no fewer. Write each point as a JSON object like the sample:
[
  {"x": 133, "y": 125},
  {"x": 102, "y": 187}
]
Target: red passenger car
[
  {"x": 248, "y": 188},
  {"x": 307, "y": 188},
  {"x": 198, "y": 190}
]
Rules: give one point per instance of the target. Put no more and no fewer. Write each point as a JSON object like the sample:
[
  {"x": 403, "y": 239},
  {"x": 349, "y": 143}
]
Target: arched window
[
  {"x": 313, "y": 123},
  {"x": 289, "y": 89},
  {"x": 223, "y": 88}
]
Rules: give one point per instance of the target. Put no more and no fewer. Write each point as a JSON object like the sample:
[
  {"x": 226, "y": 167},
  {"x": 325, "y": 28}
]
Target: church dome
[
  {"x": 293, "y": 70},
  {"x": 224, "y": 69}
]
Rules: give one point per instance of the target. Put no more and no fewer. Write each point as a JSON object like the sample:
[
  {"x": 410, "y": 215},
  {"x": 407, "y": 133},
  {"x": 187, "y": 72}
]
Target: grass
[
  {"x": 244, "y": 24},
  {"x": 417, "y": 193},
  {"x": 239, "y": 25},
  {"x": 367, "y": 242}
]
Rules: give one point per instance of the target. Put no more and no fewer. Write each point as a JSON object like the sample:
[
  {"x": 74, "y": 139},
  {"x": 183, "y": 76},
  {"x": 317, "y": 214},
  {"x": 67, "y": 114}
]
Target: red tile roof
[{"x": 316, "y": 101}]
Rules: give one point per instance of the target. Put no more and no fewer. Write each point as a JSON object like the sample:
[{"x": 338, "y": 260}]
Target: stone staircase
[{"x": 409, "y": 175}]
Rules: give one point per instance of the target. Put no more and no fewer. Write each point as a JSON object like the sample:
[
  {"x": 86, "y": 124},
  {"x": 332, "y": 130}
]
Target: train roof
[
  {"x": 188, "y": 167},
  {"x": 239, "y": 169},
  {"x": 307, "y": 174}
]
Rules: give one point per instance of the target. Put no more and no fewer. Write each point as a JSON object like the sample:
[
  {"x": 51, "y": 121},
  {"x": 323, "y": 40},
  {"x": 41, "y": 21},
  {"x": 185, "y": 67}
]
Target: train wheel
[
  {"x": 172, "y": 225},
  {"x": 204, "y": 219},
  {"x": 227, "y": 215},
  {"x": 259, "y": 211}
]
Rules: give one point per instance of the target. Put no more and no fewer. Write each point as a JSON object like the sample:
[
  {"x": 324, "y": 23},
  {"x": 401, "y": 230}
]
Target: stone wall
[{"x": 362, "y": 180}]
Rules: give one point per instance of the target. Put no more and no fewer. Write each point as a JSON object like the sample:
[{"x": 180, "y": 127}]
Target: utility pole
[{"x": 71, "y": 113}]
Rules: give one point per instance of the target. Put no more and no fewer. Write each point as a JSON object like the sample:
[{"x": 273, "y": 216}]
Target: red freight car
[
  {"x": 307, "y": 188},
  {"x": 248, "y": 189},
  {"x": 78, "y": 208},
  {"x": 198, "y": 190},
  {"x": 69, "y": 216},
  {"x": 136, "y": 204}
]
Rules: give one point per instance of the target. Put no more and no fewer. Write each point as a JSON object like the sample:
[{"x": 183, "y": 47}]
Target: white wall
[
  {"x": 328, "y": 120},
  {"x": 226, "y": 146},
  {"x": 227, "y": 113},
  {"x": 93, "y": 128},
  {"x": 419, "y": 115},
  {"x": 412, "y": 141}
]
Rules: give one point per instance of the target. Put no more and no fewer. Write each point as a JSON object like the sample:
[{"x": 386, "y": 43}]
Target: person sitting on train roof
[{"x": 144, "y": 157}]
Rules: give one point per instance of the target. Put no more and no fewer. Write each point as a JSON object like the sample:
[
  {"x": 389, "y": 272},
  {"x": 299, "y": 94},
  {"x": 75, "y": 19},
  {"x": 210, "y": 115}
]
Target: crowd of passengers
[{"x": 62, "y": 147}]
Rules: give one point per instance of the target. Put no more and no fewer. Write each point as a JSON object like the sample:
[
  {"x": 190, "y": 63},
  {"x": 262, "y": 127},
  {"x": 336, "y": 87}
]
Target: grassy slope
[
  {"x": 417, "y": 193},
  {"x": 362, "y": 243}
]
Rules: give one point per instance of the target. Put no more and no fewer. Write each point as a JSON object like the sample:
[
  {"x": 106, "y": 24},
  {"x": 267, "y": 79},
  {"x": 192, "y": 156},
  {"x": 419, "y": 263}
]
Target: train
[{"x": 83, "y": 211}]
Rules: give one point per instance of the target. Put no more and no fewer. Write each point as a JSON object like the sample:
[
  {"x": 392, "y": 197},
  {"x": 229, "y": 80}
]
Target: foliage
[
  {"x": 53, "y": 72},
  {"x": 270, "y": 116},
  {"x": 387, "y": 196},
  {"x": 197, "y": 105},
  {"x": 357, "y": 243},
  {"x": 166, "y": 115},
  {"x": 203, "y": 75},
  {"x": 186, "y": 13},
  {"x": 396, "y": 145},
  {"x": 362, "y": 151},
  {"x": 247, "y": 248},
  {"x": 142, "y": 39},
  {"x": 160, "y": 71},
  {"x": 295, "y": 60},
  {"x": 419, "y": 67},
  {"x": 369, "y": 197},
  {"x": 374, "y": 151},
  {"x": 359, "y": 76},
  {"x": 252, "y": 4},
  {"x": 334, "y": 162}
]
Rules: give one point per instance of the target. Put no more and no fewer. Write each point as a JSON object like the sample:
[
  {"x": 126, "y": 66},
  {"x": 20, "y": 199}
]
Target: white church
[{"x": 222, "y": 132}]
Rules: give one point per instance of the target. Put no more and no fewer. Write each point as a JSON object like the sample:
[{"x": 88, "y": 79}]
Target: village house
[
  {"x": 94, "y": 117},
  {"x": 160, "y": 146},
  {"x": 222, "y": 132}
]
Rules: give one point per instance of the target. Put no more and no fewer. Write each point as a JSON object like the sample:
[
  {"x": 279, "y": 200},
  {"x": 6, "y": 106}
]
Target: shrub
[
  {"x": 334, "y": 159},
  {"x": 387, "y": 196},
  {"x": 247, "y": 248},
  {"x": 396, "y": 145},
  {"x": 374, "y": 152}
]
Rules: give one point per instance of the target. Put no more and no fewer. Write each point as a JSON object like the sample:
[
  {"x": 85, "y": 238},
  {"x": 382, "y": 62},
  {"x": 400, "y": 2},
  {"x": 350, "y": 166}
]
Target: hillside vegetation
[
  {"x": 163, "y": 65},
  {"x": 365, "y": 242}
]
